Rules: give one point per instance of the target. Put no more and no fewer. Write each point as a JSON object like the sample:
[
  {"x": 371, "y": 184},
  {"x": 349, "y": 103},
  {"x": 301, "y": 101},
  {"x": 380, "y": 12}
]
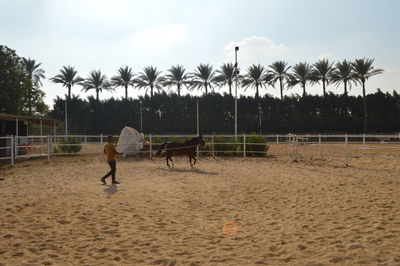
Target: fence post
[
  {"x": 294, "y": 137},
  {"x": 345, "y": 150},
  {"x": 363, "y": 144},
  {"x": 277, "y": 139},
  {"x": 85, "y": 138},
  {"x": 244, "y": 145},
  {"x": 12, "y": 149},
  {"x": 48, "y": 148},
  {"x": 150, "y": 147},
  {"x": 101, "y": 146},
  {"x": 212, "y": 145},
  {"x": 319, "y": 144}
]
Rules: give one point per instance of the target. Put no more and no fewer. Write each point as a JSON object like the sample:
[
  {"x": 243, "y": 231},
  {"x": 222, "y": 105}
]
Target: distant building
[{"x": 17, "y": 125}]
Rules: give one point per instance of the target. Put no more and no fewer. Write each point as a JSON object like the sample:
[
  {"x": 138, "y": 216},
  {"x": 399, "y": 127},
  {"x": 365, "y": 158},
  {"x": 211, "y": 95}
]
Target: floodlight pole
[
  {"x": 66, "y": 115},
  {"x": 236, "y": 85}
]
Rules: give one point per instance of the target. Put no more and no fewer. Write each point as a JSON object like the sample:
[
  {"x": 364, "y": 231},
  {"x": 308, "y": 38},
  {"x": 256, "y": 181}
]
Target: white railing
[{"x": 344, "y": 147}]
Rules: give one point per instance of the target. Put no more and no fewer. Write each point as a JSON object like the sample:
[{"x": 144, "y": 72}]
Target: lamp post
[
  {"x": 141, "y": 116},
  {"x": 236, "y": 85},
  {"x": 66, "y": 116}
]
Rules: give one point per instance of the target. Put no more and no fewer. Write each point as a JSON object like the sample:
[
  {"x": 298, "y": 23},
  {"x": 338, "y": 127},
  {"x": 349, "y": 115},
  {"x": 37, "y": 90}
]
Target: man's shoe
[
  {"x": 103, "y": 180},
  {"x": 115, "y": 182}
]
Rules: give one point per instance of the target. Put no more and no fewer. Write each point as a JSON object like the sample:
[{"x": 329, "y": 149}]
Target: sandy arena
[{"x": 286, "y": 213}]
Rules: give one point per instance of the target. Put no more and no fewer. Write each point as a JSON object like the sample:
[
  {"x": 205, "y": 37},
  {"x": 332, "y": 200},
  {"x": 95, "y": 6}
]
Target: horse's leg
[
  {"x": 173, "y": 165},
  {"x": 195, "y": 160},
  {"x": 190, "y": 160},
  {"x": 166, "y": 158}
]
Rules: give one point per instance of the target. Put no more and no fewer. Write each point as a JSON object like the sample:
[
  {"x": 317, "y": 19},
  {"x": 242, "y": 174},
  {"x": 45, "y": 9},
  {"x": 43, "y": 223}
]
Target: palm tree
[
  {"x": 67, "y": 78},
  {"x": 150, "y": 78},
  {"x": 256, "y": 77},
  {"x": 322, "y": 71},
  {"x": 343, "y": 73},
  {"x": 301, "y": 74},
  {"x": 35, "y": 74},
  {"x": 226, "y": 76},
  {"x": 279, "y": 71},
  {"x": 96, "y": 81},
  {"x": 123, "y": 79},
  {"x": 203, "y": 77},
  {"x": 363, "y": 70},
  {"x": 177, "y": 77}
]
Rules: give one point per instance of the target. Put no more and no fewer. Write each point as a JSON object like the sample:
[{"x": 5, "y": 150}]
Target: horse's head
[{"x": 201, "y": 140}]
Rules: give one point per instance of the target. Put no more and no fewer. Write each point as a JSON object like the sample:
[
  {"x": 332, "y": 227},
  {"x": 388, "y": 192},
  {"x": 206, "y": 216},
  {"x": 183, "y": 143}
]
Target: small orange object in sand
[{"x": 229, "y": 228}]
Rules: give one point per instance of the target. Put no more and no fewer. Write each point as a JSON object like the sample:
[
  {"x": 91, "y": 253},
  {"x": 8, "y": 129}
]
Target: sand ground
[{"x": 311, "y": 212}]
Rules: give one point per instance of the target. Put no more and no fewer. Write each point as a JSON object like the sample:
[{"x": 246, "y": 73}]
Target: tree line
[
  {"x": 174, "y": 114},
  {"x": 204, "y": 78}
]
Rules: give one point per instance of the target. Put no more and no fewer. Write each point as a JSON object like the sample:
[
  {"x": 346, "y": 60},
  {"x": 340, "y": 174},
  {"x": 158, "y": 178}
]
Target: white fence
[{"x": 343, "y": 147}]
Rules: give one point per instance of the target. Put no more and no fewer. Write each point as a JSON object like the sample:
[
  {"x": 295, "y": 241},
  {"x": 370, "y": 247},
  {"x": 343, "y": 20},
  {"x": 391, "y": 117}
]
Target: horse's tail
[{"x": 161, "y": 149}]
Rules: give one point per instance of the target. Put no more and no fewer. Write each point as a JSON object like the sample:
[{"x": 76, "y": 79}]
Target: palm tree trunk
[
  {"x": 69, "y": 91},
  {"x": 30, "y": 100},
  {"x": 365, "y": 107},
  {"x": 281, "y": 86},
  {"x": 257, "y": 95},
  {"x": 206, "y": 88},
  {"x": 323, "y": 86},
  {"x": 151, "y": 91},
  {"x": 230, "y": 88},
  {"x": 179, "y": 89},
  {"x": 97, "y": 94},
  {"x": 304, "y": 88},
  {"x": 126, "y": 92}
]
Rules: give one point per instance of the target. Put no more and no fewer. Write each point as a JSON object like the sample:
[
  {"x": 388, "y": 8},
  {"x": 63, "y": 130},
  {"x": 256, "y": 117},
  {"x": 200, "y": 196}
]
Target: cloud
[
  {"x": 255, "y": 49},
  {"x": 159, "y": 38}
]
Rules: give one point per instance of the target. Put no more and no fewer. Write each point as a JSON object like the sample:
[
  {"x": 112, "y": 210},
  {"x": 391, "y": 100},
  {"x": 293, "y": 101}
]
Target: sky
[{"x": 107, "y": 34}]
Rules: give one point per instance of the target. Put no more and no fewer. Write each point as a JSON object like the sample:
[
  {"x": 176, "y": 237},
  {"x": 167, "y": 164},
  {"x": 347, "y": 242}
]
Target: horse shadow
[{"x": 196, "y": 171}]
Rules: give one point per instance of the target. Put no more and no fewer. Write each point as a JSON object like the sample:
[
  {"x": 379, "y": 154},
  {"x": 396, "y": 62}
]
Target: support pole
[
  {"x": 66, "y": 116},
  {"x": 101, "y": 146},
  {"x": 16, "y": 127},
  {"x": 319, "y": 144},
  {"x": 363, "y": 144},
  {"x": 277, "y": 139},
  {"x": 150, "y": 147},
  {"x": 244, "y": 145}
]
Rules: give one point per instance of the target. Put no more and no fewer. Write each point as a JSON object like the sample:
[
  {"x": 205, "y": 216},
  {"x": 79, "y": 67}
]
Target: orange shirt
[{"x": 109, "y": 149}]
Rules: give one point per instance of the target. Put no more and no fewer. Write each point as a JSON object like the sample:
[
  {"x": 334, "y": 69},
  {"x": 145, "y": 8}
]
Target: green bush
[
  {"x": 228, "y": 148},
  {"x": 255, "y": 150},
  {"x": 70, "y": 145}
]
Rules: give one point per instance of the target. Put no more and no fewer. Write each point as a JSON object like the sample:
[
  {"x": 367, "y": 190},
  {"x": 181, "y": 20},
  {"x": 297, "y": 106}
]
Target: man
[{"x": 109, "y": 149}]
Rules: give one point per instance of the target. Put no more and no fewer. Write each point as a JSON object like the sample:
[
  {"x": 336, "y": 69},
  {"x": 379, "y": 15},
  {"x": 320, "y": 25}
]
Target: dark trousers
[{"x": 113, "y": 166}]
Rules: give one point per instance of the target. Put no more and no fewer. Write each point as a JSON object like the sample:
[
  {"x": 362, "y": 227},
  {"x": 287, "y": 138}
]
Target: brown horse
[{"x": 186, "y": 148}]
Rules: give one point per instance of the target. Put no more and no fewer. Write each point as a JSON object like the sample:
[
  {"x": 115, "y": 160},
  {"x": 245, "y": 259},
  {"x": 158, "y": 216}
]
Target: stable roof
[{"x": 30, "y": 119}]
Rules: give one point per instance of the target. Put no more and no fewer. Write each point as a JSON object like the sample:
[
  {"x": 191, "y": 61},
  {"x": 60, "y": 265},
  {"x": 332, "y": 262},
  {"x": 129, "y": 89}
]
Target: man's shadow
[{"x": 111, "y": 189}]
